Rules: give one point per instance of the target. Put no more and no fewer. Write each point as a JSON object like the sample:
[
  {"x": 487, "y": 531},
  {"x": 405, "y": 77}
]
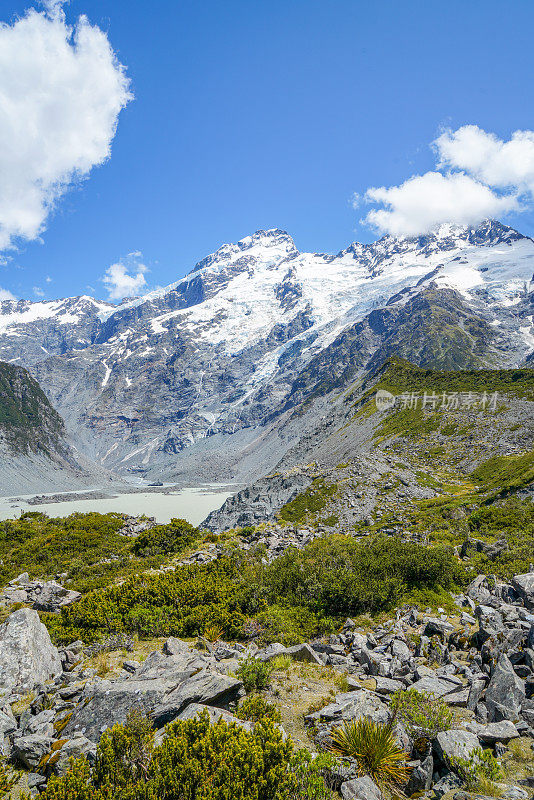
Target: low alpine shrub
[{"x": 254, "y": 673}]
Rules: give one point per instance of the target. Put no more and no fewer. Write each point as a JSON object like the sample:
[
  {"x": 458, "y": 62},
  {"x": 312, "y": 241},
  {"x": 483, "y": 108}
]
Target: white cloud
[
  {"x": 48, "y": 279},
  {"x": 125, "y": 278},
  {"x": 61, "y": 91},
  {"x": 424, "y": 202},
  {"x": 477, "y": 176},
  {"x": 38, "y": 292},
  {"x": 488, "y": 158},
  {"x": 5, "y": 294}
]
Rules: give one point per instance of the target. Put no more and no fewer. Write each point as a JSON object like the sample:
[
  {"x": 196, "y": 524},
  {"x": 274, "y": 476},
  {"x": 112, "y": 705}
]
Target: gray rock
[
  {"x": 78, "y": 746},
  {"x": 448, "y": 783},
  {"x": 27, "y": 655},
  {"x": 354, "y": 706},
  {"x": 475, "y": 693},
  {"x": 175, "y": 647},
  {"x": 524, "y": 586},
  {"x": 303, "y": 652},
  {"x": 505, "y": 692},
  {"x": 205, "y": 687},
  {"x": 40, "y": 723},
  {"x": 439, "y": 687},
  {"x": 29, "y": 750},
  {"x": 421, "y": 772},
  {"x": 496, "y": 732},
  {"x": 271, "y": 651},
  {"x": 437, "y": 627},
  {"x": 454, "y": 744},
  {"x": 361, "y": 789},
  {"x": 388, "y": 685},
  {"x": 215, "y": 714},
  {"x": 51, "y": 596},
  {"x": 130, "y": 666},
  {"x": 108, "y": 702},
  {"x": 8, "y": 723}
]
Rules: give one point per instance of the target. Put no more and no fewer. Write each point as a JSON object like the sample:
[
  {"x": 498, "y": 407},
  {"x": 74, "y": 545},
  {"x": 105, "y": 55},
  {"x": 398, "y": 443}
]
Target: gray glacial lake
[{"x": 191, "y": 504}]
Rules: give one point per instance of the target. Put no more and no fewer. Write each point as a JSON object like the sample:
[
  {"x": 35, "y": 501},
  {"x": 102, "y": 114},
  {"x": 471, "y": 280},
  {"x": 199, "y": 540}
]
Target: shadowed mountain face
[
  {"x": 35, "y": 454},
  {"x": 28, "y": 423},
  {"x": 195, "y": 381}
]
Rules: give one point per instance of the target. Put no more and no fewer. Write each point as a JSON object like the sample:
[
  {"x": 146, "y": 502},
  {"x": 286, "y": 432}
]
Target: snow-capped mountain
[{"x": 197, "y": 376}]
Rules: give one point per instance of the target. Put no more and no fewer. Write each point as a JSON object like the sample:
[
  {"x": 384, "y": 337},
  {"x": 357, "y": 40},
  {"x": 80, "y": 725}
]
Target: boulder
[
  {"x": 355, "y": 705},
  {"x": 29, "y": 750},
  {"x": 51, "y": 596},
  {"x": 78, "y": 746},
  {"x": 421, "y": 772},
  {"x": 361, "y": 789},
  {"x": 39, "y": 723},
  {"x": 27, "y": 655},
  {"x": 8, "y": 723},
  {"x": 271, "y": 651},
  {"x": 437, "y": 627},
  {"x": 438, "y": 687},
  {"x": 303, "y": 652},
  {"x": 495, "y": 732},
  {"x": 505, "y": 692},
  {"x": 108, "y": 702},
  {"x": 205, "y": 687},
  {"x": 215, "y": 714},
  {"x": 524, "y": 586},
  {"x": 454, "y": 744}
]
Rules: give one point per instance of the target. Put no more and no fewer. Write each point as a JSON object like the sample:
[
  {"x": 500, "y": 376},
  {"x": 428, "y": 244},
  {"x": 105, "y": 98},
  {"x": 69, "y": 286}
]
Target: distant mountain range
[{"x": 197, "y": 381}]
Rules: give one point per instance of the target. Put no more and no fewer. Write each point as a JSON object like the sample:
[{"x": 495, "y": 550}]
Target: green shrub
[
  {"x": 481, "y": 765},
  {"x": 166, "y": 539},
  {"x": 422, "y": 715},
  {"x": 254, "y": 673},
  {"x": 181, "y": 602},
  {"x": 256, "y": 708},
  {"x": 340, "y": 576},
  {"x": 196, "y": 761},
  {"x": 291, "y": 625},
  {"x": 124, "y": 752},
  {"x": 7, "y": 779}
]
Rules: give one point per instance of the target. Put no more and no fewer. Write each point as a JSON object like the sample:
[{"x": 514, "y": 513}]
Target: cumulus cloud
[
  {"x": 426, "y": 201},
  {"x": 484, "y": 155},
  {"x": 5, "y": 294},
  {"x": 477, "y": 176},
  {"x": 125, "y": 278},
  {"x": 61, "y": 91}
]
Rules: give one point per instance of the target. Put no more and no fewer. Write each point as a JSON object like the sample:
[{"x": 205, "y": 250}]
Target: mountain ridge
[{"x": 188, "y": 381}]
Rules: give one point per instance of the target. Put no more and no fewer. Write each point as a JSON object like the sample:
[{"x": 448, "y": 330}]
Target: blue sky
[{"x": 251, "y": 115}]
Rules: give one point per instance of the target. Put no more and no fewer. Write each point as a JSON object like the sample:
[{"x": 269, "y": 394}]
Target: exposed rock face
[
  {"x": 524, "y": 585},
  {"x": 222, "y": 356},
  {"x": 505, "y": 693},
  {"x": 163, "y": 686},
  {"x": 27, "y": 656},
  {"x": 455, "y": 744},
  {"x": 34, "y": 450}
]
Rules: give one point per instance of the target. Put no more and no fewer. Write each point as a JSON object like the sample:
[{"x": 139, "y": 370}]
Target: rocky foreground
[{"x": 479, "y": 661}]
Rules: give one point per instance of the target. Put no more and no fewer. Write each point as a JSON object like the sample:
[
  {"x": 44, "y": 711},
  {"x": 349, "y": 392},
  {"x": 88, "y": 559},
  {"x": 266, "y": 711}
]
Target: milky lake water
[{"x": 191, "y": 504}]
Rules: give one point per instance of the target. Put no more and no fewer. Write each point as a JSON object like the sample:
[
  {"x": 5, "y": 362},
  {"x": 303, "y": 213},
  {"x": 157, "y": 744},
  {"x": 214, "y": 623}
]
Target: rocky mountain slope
[
  {"x": 362, "y": 464},
  {"x": 196, "y": 381},
  {"x": 34, "y": 452}
]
